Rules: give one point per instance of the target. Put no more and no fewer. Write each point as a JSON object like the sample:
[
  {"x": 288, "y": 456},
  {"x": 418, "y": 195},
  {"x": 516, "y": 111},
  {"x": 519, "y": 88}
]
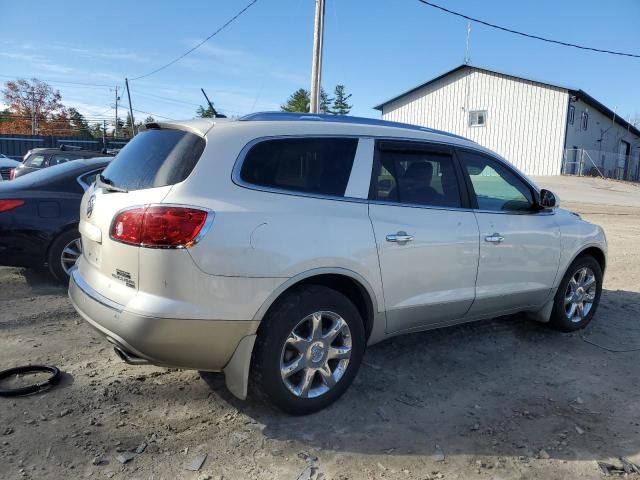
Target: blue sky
[{"x": 377, "y": 48}]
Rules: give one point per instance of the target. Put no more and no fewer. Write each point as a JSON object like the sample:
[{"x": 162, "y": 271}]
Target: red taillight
[
  {"x": 6, "y": 205},
  {"x": 158, "y": 226},
  {"x": 12, "y": 174}
]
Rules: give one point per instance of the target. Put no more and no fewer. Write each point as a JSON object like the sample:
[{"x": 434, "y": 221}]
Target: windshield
[{"x": 155, "y": 158}]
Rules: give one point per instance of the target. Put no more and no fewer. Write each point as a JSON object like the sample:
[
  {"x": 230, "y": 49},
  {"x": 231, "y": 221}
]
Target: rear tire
[
  {"x": 578, "y": 295},
  {"x": 309, "y": 348},
  {"x": 61, "y": 254}
]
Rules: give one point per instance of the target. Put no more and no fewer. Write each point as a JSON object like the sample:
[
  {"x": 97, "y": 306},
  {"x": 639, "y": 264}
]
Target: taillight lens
[
  {"x": 6, "y": 205},
  {"x": 12, "y": 174},
  {"x": 158, "y": 226}
]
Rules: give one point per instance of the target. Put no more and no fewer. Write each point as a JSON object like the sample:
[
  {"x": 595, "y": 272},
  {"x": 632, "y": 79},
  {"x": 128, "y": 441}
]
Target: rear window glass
[
  {"x": 155, "y": 158},
  {"x": 34, "y": 161},
  {"x": 310, "y": 165}
]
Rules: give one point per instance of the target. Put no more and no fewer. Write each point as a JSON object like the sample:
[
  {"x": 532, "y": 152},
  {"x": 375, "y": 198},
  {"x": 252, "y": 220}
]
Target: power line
[
  {"x": 528, "y": 35},
  {"x": 231, "y": 20}
]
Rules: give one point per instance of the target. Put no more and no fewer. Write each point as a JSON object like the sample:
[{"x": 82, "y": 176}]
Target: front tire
[
  {"x": 309, "y": 348},
  {"x": 578, "y": 295},
  {"x": 63, "y": 254}
]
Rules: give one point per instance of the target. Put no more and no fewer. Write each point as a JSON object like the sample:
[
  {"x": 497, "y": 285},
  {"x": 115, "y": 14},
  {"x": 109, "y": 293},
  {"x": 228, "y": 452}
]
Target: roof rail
[
  {"x": 324, "y": 117},
  {"x": 70, "y": 147}
]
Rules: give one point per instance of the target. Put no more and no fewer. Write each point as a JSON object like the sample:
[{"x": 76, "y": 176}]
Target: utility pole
[
  {"x": 467, "y": 50},
  {"x": 316, "y": 63},
  {"x": 33, "y": 112},
  {"x": 104, "y": 134},
  {"x": 133, "y": 123},
  {"x": 115, "y": 132}
]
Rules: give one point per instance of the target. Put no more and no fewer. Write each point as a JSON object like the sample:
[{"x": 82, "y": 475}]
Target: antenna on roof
[{"x": 467, "y": 50}]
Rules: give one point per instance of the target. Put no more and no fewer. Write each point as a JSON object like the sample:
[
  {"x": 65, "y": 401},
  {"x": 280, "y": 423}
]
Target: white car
[{"x": 276, "y": 247}]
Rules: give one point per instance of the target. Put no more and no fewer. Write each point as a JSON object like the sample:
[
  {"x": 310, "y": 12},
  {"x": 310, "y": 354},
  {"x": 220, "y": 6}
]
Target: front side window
[
  {"x": 477, "y": 118},
  {"x": 420, "y": 177},
  {"x": 495, "y": 186},
  {"x": 307, "y": 165}
]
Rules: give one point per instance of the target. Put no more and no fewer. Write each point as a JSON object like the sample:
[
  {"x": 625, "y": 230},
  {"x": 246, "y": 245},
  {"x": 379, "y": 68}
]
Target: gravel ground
[{"x": 501, "y": 399}]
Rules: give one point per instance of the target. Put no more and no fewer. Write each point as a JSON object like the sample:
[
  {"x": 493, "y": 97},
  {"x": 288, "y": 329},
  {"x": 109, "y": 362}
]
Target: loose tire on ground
[
  {"x": 276, "y": 349},
  {"x": 579, "y": 289}
]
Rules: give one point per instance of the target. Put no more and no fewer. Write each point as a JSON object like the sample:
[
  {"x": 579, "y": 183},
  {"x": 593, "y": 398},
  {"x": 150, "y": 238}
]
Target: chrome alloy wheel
[
  {"x": 316, "y": 354},
  {"x": 580, "y": 294},
  {"x": 70, "y": 254}
]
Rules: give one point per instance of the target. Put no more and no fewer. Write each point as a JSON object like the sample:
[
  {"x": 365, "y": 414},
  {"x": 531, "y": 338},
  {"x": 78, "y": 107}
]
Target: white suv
[{"x": 277, "y": 246}]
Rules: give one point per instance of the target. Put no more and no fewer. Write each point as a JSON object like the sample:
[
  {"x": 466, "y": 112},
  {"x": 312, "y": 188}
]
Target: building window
[
  {"x": 572, "y": 114},
  {"x": 477, "y": 118},
  {"x": 585, "y": 120}
]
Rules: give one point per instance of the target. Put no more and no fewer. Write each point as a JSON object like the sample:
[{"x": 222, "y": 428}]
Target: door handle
[
  {"x": 494, "y": 238},
  {"x": 400, "y": 237}
]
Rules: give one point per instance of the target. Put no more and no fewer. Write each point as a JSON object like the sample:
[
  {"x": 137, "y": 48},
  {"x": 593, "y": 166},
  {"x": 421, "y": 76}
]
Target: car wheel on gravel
[
  {"x": 578, "y": 295},
  {"x": 63, "y": 254},
  {"x": 309, "y": 348}
]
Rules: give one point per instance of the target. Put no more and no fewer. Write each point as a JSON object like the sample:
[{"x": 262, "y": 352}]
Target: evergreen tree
[
  {"x": 79, "y": 125},
  {"x": 325, "y": 102},
  {"x": 96, "y": 130},
  {"x": 340, "y": 102},
  {"x": 127, "y": 129},
  {"x": 120, "y": 124},
  {"x": 300, "y": 101},
  {"x": 206, "y": 112},
  {"x": 297, "y": 102}
]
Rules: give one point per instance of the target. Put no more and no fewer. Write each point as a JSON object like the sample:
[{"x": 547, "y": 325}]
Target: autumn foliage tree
[{"x": 33, "y": 106}]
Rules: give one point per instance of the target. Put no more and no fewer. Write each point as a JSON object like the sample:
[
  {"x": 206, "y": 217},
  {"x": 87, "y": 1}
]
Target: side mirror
[{"x": 548, "y": 199}]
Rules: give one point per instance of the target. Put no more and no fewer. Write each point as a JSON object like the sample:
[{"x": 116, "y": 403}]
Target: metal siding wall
[
  {"x": 599, "y": 123},
  {"x": 15, "y": 146},
  {"x": 525, "y": 120}
]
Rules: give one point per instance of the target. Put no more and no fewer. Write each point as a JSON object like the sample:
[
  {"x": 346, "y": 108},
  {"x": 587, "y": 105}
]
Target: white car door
[
  {"x": 519, "y": 242},
  {"x": 427, "y": 238}
]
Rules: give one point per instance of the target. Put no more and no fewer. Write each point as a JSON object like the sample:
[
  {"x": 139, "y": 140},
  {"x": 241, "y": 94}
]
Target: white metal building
[{"x": 542, "y": 128}]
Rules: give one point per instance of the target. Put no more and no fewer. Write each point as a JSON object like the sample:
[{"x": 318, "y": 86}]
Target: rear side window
[
  {"x": 309, "y": 165},
  {"x": 155, "y": 158}
]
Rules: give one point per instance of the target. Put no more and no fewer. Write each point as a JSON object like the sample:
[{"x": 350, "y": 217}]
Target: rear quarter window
[
  {"x": 155, "y": 158},
  {"x": 307, "y": 165}
]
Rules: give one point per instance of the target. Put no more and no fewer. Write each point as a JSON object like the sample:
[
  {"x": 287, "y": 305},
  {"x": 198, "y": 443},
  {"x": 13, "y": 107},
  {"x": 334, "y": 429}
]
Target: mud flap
[{"x": 236, "y": 372}]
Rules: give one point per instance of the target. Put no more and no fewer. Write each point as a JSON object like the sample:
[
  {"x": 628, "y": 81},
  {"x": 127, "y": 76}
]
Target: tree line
[
  {"x": 34, "y": 106},
  {"x": 300, "y": 101}
]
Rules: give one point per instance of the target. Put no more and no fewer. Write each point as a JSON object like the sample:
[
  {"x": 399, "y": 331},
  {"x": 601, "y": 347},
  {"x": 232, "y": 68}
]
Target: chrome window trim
[
  {"x": 237, "y": 167},
  {"x": 84, "y": 184}
]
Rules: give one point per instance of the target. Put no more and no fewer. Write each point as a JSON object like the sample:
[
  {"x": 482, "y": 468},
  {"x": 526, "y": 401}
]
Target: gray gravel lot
[{"x": 501, "y": 399}]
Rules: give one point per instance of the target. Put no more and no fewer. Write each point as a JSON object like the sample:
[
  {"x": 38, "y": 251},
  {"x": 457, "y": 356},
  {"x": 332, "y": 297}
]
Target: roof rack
[{"x": 324, "y": 117}]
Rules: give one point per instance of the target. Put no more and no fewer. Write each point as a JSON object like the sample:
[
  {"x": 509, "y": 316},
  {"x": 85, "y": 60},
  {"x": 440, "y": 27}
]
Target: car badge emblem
[{"x": 90, "y": 203}]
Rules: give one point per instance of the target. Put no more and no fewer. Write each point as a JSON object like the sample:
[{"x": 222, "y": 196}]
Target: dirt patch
[{"x": 503, "y": 399}]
